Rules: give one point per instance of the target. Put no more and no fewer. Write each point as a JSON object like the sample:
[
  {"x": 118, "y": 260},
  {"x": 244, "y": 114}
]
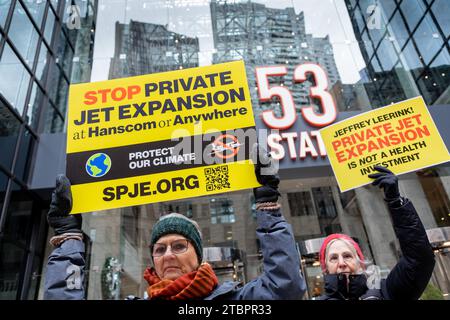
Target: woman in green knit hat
[{"x": 178, "y": 271}]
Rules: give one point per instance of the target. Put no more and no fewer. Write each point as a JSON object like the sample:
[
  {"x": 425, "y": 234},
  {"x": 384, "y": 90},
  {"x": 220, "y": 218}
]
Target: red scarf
[{"x": 193, "y": 285}]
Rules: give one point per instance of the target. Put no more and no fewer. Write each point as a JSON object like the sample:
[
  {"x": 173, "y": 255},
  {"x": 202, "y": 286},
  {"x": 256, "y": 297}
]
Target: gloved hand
[
  {"x": 387, "y": 180},
  {"x": 59, "y": 217},
  {"x": 266, "y": 175}
]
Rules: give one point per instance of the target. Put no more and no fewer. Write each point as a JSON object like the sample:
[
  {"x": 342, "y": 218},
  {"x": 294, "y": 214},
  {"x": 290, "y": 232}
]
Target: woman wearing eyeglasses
[{"x": 178, "y": 270}]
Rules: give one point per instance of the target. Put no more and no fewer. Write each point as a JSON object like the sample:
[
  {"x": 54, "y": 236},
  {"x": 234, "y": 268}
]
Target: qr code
[{"x": 217, "y": 178}]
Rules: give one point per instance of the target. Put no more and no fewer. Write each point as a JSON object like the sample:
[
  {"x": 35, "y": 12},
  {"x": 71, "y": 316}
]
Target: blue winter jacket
[{"x": 281, "y": 278}]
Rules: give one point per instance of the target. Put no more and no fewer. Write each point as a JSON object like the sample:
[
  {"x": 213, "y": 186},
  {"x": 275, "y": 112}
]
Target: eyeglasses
[{"x": 176, "y": 247}]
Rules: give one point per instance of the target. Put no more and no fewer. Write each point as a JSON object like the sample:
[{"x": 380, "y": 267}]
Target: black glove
[
  {"x": 59, "y": 217},
  {"x": 269, "y": 190},
  {"x": 387, "y": 180}
]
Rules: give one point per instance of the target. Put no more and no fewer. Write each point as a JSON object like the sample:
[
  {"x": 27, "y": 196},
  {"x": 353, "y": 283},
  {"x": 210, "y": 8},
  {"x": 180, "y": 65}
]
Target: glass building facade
[{"x": 373, "y": 52}]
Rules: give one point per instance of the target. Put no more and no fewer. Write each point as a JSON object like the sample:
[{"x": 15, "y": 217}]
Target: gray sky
[{"x": 192, "y": 18}]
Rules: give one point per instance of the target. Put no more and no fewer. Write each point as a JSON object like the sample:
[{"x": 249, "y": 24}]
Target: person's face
[
  {"x": 170, "y": 265},
  {"x": 341, "y": 259}
]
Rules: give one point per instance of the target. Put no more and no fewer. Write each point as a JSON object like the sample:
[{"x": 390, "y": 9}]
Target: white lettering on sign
[{"x": 299, "y": 144}]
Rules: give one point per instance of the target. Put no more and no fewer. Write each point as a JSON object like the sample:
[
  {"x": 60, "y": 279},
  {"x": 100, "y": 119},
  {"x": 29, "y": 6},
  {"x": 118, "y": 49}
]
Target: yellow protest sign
[
  {"x": 401, "y": 136},
  {"x": 160, "y": 137}
]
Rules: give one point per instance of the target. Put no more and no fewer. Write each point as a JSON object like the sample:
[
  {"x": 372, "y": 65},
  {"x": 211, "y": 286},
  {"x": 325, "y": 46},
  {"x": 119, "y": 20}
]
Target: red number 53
[{"x": 328, "y": 107}]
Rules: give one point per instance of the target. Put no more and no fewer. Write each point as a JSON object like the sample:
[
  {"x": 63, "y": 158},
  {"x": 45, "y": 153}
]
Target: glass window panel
[
  {"x": 23, "y": 34},
  {"x": 62, "y": 95},
  {"x": 42, "y": 64},
  {"x": 411, "y": 59},
  {"x": 58, "y": 88},
  {"x": 21, "y": 168},
  {"x": 440, "y": 9},
  {"x": 387, "y": 54},
  {"x": 4, "y": 8},
  {"x": 3, "y": 185},
  {"x": 351, "y": 4},
  {"x": 14, "y": 79},
  {"x": 34, "y": 106},
  {"x": 375, "y": 64},
  {"x": 222, "y": 210},
  {"x": 9, "y": 130},
  {"x": 49, "y": 26},
  {"x": 55, "y": 4},
  {"x": 397, "y": 30},
  {"x": 359, "y": 20},
  {"x": 53, "y": 122},
  {"x": 12, "y": 260},
  {"x": 36, "y": 8},
  {"x": 300, "y": 204},
  {"x": 53, "y": 80},
  {"x": 428, "y": 88},
  {"x": 367, "y": 43},
  {"x": 413, "y": 11},
  {"x": 388, "y": 8},
  {"x": 442, "y": 60},
  {"x": 428, "y": 39},
  {"x": 64, "y": 53},
  {"x": 14, "y": 241},
  {"x": 439, "y": 73}
]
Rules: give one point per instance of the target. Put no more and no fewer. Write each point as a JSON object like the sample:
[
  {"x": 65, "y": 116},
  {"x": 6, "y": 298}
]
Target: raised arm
[
  {"x": 66, "y": 264},
  {"x": 408, "y": 279},
  {"x": 281, "y": 277}
]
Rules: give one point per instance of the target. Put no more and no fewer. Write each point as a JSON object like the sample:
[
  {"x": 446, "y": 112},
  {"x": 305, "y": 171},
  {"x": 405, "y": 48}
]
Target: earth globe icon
[{"x": 98, "y": 165}]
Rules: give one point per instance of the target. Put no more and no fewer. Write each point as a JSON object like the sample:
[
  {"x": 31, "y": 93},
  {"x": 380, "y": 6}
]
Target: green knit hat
[{"x": 179, "y": 224}]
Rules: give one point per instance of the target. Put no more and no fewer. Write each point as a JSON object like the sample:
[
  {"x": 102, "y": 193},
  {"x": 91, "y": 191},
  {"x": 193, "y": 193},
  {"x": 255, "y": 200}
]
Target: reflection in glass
[
  {"x": 9, "y": 130},
  {"x": 3, "y": 185},
  {"x": 427, "y": 39},
  {"x": 53, "y": 123},
  {"x": 300, "y": 204},
  {"x": 440, "y": 11},
  {"x": 42, "y": 62},
  {"x": 13, "y": 242},
  {"x": 397, "y": 30},
  {"x": 326, "y": 210},
  {"x": 143, "y": 48},
  {"x": 14, "y": 79},
  {"x": 57, "y": 87},
  {"x": 4, "y": 8},
  {"x": 64, "y": 53},
  {"x": 34, "y": 106},
  {"x": 436, "y": 194},
  {"x": 387, "y": 54},
  {"x": 49, "y": 26},
  {"x": 411, "y": 59},
  {"x": 222, "y": 210},
  {"x": 21, "y": 168},
  {"x": 36, "y": 9},
  {"x": 413, "y": 10},
  {"x": 23, "y": 34}
]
